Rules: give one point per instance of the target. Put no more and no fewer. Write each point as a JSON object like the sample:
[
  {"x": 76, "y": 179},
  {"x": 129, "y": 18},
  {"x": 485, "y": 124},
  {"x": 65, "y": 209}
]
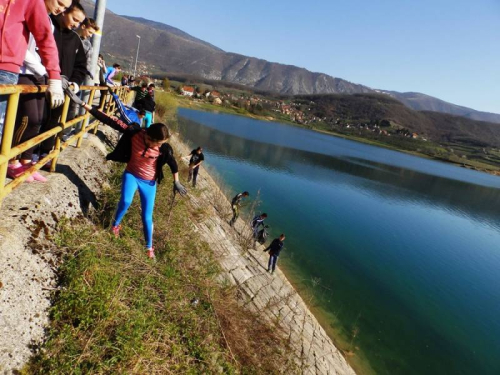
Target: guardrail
[{"x": 7, "y": 152}]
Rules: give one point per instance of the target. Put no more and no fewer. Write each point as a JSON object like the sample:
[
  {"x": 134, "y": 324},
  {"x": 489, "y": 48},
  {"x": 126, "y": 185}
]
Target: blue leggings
[
  {"x": 147, "y": 192},
  {"x": 148, "y": 119}
]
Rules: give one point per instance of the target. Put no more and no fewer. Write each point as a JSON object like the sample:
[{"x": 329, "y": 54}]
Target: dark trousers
[
  {"x": 30, "y": 114},
  {"x": 53, "y": 121},
  {"x": 193, "y": 174},
  {"x": 236, "y": 213},
  {"x": 273, "y": 259}
]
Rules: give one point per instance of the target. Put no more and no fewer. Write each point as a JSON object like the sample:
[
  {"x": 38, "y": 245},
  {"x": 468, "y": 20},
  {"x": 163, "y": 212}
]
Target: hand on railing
[
  {"x": 67, "y": 85},
  {"x": 55, "y": 93},
  {"x": 74, "y": 98}
]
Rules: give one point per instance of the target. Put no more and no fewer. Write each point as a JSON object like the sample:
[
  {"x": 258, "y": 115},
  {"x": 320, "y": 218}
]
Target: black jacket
[
  {"x": 275, "y": 247},
  {"x": 196, "y": 158},
  {"x": 147, "y": 103},
  {"x": 72, "y": 59},
  {"x": 123, "y": 149}
]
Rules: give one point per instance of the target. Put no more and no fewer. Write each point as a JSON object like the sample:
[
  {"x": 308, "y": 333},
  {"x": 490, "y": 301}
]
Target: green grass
[{"x": 117, "y": 312}]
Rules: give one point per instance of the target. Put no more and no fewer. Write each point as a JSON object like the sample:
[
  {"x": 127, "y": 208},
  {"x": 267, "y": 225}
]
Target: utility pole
[
  {"x": 100, "y": 10},
  {"x": 137, "y": 55}
]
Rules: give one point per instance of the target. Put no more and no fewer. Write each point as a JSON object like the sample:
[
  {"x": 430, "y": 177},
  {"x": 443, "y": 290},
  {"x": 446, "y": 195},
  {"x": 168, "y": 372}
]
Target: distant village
[{"x": 296, "y": 111}]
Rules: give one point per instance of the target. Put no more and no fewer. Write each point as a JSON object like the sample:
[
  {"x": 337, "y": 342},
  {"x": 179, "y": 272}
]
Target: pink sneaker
[
  {"x": 39, "y": 177},
  {"x": 151, "y": 253},
  {"x": 116, "y": 230},
  {"x": 16, "y": 170}
]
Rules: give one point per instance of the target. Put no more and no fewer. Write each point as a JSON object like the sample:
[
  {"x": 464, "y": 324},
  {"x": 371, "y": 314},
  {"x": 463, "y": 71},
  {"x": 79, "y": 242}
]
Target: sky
[{"x": 443, "y": 48}]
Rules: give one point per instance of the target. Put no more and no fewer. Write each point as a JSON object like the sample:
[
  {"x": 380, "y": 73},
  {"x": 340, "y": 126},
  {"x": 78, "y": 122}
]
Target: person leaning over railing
[
  {"x": 145, "y": 151},
  {"x": 111, "y": 72},
  {"x": 17, "y": 19},
  {"x": 101, "y": 73},
  {"x": 87, "y": 28},
  {"x": 31, "y": 106},
  {"x": 140, "y": 93},
  {"x": 148, "y": 105},
  {"x": 71, "y": 59}
]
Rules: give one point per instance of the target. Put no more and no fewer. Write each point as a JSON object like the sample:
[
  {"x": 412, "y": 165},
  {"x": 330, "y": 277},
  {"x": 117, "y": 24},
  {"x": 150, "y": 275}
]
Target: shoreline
[
  {"x": 356, "y": 358},
  {"x": 275, "y": 294},
  {"x": 206, "y": 107},
  {"x": 33, "y": 259},
  {"x": 271, "y": 297}
]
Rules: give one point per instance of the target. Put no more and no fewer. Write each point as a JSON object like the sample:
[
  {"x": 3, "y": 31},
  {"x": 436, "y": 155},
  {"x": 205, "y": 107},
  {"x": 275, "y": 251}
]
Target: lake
[{"x": 397, "y": 255}]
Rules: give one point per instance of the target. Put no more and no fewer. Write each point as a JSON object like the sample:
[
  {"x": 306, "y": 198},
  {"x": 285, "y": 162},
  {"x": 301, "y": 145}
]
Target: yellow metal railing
[{"x": 7, "y": 152}]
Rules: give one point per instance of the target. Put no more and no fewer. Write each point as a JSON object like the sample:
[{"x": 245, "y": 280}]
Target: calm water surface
[{"x": 401, "y": 253}]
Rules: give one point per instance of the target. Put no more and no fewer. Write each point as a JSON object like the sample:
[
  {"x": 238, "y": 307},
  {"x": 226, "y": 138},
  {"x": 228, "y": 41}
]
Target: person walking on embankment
[
  {"x": 145, "y": 151},
  {"x": 197, "y": 158},
  {"x": 274, "y": 252},
  {"x": 236, "y": 204}
]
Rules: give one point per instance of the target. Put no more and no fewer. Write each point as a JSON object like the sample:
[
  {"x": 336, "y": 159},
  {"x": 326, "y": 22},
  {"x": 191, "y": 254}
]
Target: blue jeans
[
  {"x": 273, "y": 259},
  {"x": 147, "y": 192},
  {"x": 6, "y": 78}
]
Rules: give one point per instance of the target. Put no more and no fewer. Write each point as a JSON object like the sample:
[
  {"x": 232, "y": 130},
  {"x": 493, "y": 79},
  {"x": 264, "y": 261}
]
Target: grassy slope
[{"x": 119, "y": 312}]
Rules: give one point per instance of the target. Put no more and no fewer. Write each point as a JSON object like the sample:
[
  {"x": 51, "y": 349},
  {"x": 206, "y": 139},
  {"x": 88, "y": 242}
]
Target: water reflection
[
  {"x": 409, "y": 243},
  {"x": 384, "y": 181}
]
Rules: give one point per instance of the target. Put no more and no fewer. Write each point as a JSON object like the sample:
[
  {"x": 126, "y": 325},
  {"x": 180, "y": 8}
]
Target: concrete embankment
[
  {"x": 28, "y": 255},
  {"x": 29, "y": 259},
  {"x": 273, "y": 296}
]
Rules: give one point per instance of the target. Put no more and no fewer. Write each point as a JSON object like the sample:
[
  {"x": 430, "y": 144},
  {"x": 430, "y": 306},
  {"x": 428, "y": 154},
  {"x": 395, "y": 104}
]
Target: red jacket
[{"x": 17, "y": 19}]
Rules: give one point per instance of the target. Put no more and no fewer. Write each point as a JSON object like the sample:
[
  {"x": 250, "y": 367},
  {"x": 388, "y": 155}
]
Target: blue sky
[{"x": 447, "y": 49}]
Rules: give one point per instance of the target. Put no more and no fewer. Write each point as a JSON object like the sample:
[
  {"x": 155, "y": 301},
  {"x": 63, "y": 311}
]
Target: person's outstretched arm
[
  {"x": 172, "y": 163},
  {"x": 105, "y": 119}
]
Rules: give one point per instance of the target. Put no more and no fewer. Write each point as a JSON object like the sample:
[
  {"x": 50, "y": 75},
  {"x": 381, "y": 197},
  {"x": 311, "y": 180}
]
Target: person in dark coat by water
[
  {"x": 274, "y": 252},
  {"x": 197, "y": 158}
]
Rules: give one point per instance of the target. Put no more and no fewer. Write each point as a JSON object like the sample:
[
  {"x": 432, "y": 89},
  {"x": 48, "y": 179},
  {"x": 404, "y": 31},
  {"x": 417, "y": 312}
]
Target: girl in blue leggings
[{"x": 145, "y": 151}]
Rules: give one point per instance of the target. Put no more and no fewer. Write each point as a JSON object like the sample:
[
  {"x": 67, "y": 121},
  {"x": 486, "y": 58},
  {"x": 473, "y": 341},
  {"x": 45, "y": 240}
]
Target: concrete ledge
[
  {"x": 273, "y": 297},
  {"x": 27, "y": 254}
]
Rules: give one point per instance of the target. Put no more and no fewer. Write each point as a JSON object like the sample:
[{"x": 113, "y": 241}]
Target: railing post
[
  {"x": 8, "y": 134},
  {"x": 57, "y": 146},
  {"x": 86, "y": 121},
  {"x": 103, "y": 104}
]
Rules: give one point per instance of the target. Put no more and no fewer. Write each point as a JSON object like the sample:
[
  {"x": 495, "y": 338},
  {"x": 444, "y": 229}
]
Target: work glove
[
  {"x": 179, "y": 188},
  {"x": 55, "y": 93},
  {"x": 75, "y": 98},
  {"x": 76, "y": 87},
  {"x": 67, "y": 85}
]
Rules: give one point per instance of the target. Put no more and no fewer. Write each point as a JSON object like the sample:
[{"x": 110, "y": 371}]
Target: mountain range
[{"x": 166, "y": 49}]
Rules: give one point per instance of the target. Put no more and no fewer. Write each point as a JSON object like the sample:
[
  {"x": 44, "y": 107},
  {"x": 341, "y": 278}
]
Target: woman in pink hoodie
[
  {"x": 31, "y": 106},
  {"x": 19, "y": 18}
]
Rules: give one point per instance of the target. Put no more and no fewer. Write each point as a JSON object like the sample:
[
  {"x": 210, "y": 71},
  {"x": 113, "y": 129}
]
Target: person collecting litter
[
  {"x": 258, "y": 221},
  {"x": 145, "y": 151},
  {"x": 197, "y": 158},
  {"x": 236, "y": 204},
  {"x": 274, "y": 252}
]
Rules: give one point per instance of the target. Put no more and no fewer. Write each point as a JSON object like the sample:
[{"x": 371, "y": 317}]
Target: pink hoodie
[{"x": 17, "y": 19}]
